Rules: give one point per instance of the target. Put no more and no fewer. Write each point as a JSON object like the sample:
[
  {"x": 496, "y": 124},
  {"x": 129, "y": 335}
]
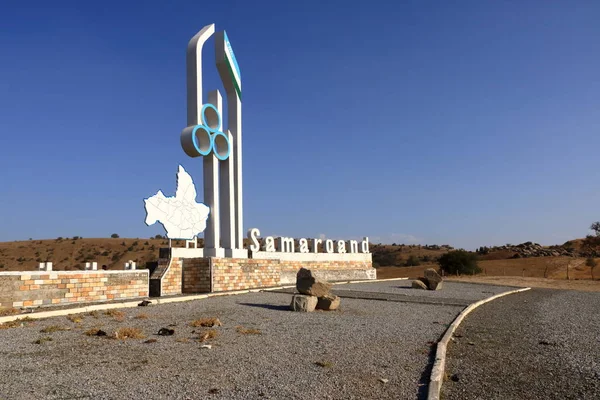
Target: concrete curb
[
  {"x": 439, "y": 365},
  {"x": 158, "y": 300}
]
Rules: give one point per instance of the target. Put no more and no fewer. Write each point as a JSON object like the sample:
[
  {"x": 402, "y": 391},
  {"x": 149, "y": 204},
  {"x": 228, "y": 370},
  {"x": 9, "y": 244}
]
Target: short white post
[
  {"x": 88, "y": 266},
  {"x": 130, "y": 265},
  {"x": 194, "y": 241},
  {"x": 94, "y": 266},
  {"x": 47, "y": 266}
]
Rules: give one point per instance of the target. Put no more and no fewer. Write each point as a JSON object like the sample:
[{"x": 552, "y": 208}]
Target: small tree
[
  {"x": 114, "y": 236},
  {"x": 591, "y": 262},
  {"x": 412, "y": 261},
  {"x": 591, "y": 243},
  {"x": 459, "y": 262}
]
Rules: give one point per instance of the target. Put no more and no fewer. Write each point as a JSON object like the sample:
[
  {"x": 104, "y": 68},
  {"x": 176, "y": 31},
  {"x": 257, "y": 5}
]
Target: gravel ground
[
  {"x": 540, "y": 344},
  {"x": 364, "y": 341},
  {"x": 451, "y": 290}
]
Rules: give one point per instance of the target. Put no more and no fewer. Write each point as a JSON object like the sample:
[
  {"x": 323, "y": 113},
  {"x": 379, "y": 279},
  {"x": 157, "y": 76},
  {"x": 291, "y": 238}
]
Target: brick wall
[
  {"x": 24, "y": 289},
  {"x": 324, "y": 265},
  {"x": 196, "y": 275},
  {"x": 171, "y": 279},
  {"x": 193, "y": 275},
  {"x": 244, "y": 273}
]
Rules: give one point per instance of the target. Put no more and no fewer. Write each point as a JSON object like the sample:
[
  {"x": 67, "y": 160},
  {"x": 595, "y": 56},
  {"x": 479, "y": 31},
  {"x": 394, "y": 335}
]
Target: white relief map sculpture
[{"x": 181, "y": 216}]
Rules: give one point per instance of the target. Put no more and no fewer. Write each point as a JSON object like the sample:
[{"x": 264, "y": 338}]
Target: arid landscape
[{"x": 519, "y": 265}]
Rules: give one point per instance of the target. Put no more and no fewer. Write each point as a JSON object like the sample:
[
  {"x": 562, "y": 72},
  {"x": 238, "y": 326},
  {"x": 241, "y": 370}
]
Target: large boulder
[
  {"x": 434, "y": 280},
  {"x": 306, "y": 283},
  {"x": 419, "y": 284},
  {"x": 303, "y": 303},
  {"x": 328, "y": 303}
]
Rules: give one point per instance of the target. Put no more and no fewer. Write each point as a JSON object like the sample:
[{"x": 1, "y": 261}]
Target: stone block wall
[
  {"x": 25, "y": 289},
  {"x": 244, "y": 273},
  {"x": 196, "y": 275},
  {"x": 172, "y": 278},
  {"x": 328, "y": 270}
]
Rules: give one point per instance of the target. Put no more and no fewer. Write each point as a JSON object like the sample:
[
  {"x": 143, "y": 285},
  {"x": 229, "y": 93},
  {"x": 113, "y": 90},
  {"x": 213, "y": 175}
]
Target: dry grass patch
[
  {"x": 43, "y": 340},
  {"x": 94, "y": 314},
  {"x": 324, "y": 364},
  {"x": 248, "y": 331},
  {"x": 207, "y": 335},
  {"x": 206, "y": 322},
  {"x": 54, "y": 328},
  {"x": 182, "y": 340},
  {"x": 16, "y": 323},
  {"x": 142, "y": 316},
  {"x": 129, "y": 333},
  {"x": 6, "y": 311},
  {"x": 116, "y": 314},
  {"x": 75, "y": 318}
]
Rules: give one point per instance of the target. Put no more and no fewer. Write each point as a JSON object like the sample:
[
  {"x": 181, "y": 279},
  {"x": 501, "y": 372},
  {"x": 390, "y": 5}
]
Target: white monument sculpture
[
  {"x": 181, "y": 216},
  {"x": 206, "y": 136}
]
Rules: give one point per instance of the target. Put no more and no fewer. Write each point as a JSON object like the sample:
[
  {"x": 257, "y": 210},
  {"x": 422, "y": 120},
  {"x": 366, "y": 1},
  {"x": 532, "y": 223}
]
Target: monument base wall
[
  {"x": 215, "y": 274},
  {"x": 29, "y": 289}
]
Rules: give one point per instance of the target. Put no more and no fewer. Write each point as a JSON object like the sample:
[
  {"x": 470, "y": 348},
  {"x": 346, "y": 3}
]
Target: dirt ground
[
  {"x": 580, "y": 285},
  {"x": 558, "y": 281}
]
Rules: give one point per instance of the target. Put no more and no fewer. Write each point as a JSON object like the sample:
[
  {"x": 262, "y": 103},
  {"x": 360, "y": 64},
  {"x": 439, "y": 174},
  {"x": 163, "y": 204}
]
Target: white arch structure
[{"x": 224, "y": 234}]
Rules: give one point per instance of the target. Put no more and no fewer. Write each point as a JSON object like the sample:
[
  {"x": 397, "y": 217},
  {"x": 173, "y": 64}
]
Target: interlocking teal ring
[{"x": 207, "y": 137}]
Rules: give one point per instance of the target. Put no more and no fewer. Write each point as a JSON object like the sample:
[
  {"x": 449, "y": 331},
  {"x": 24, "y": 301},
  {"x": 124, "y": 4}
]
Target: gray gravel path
[
  {"x": 356, "y": 346},
  {"x": 540, "y": 344},
  {"x": 451, "y": 290}
]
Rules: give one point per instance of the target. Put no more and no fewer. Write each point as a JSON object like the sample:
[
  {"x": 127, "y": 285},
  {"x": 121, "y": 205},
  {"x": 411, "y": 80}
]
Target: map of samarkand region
[{"x": 181, "y": 216}]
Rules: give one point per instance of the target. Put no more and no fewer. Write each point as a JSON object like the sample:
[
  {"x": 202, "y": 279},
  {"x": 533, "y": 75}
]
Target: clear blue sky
[{"x": 471, "y": 124}]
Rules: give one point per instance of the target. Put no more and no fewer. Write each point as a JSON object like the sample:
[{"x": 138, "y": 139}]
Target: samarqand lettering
[{"x": 303, "y": 245}]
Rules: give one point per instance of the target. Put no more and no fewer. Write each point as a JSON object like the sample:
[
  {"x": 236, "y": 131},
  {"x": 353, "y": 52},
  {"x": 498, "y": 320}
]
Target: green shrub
[
  {"x": 412, "y": 261},
  {"x": 114, "y": 236},
  {"x": 459, "y": 261}
]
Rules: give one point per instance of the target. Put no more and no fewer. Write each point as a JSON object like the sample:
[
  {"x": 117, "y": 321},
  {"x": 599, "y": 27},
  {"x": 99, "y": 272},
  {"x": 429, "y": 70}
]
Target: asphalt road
[{"x": 539, "y": 344}]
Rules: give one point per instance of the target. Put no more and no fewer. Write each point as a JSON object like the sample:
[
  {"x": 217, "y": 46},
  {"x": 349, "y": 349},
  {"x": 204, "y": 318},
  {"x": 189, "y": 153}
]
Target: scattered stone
[
  {"x": 303, "y": 303},
  {"x": 206, "y": 346},
  {"x": 329, "y": 302},
  {"x": 166, "y": 332},
  {"x": 144, "y": 303},
  {"x": 471, "y": 343},
  {"x": 419, "y": 284},
  {"x": 546, "y": 343},
  {"x": 214, "y": 391},
  {"x": 151, "y": 341},
  {"x": 434, "y": 280},
  {"x": 383, "y": 380},
  {"x": 307, "y": 283},
  {"x": 454, "y": 378},
  {"x": 100, "y": 333}
]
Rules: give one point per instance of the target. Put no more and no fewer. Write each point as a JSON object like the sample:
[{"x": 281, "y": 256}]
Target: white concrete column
[{"x": 212, "y": 233}]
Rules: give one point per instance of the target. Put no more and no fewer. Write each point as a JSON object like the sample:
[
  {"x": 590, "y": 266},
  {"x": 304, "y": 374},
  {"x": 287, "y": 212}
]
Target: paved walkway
[
  {"x": 540, "y": 344},
  {"x": 369, "y": 349}
]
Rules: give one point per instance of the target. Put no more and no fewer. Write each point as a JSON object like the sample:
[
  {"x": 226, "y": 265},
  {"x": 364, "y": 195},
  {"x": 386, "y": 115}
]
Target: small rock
[
  {"x": 307, "y": 283},
  {"x": 151, "y": 341},
  {"x": 166, "y": 332},
  {"x": 328, "y": 303},
  {"x": 213, "y": 391},
  {"x": 471, "y": 343},
  {"x": 206, "y": 346},
  {"x": 434, "y": 280},
  {"x": 454, "y": 378},
  {"x": 144, "y": 303},
  {"x": 418, "y": 284},
  {"x": 303, "y": 303},
  {"x": 100, "y": 333},
  {"x": 383, "y": 380}
]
